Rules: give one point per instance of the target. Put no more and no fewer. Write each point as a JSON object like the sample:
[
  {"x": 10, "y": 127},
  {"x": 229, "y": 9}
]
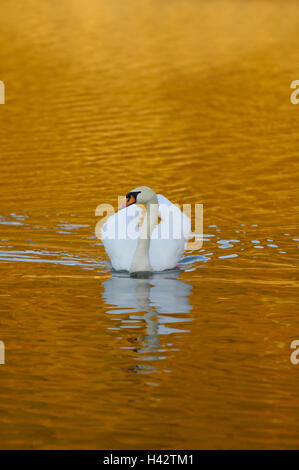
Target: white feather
[{"x": 121, "y": 232}]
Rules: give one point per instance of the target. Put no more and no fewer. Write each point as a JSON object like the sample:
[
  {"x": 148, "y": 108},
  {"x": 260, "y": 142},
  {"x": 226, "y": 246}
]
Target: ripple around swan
[{"x": 212, "y": 242}]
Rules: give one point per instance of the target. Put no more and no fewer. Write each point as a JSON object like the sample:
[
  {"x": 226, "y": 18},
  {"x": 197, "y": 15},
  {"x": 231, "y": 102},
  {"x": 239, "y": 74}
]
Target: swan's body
[{"x": 150, "y": 247}]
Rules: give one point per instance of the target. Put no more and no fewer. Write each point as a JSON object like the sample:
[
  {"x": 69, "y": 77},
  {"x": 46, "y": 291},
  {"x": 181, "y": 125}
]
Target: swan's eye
[{"x": 130, "y": 199}]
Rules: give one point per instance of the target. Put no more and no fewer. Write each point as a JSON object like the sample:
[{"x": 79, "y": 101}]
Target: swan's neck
[{"x": 141, "y": 261}]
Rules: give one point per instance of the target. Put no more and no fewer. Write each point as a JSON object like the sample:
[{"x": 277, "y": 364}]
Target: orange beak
[{"x": 130, "y": 200}]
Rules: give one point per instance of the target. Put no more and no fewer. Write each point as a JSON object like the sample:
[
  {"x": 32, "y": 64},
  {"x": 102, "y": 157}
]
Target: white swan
[{"x": 153, "y": 247}]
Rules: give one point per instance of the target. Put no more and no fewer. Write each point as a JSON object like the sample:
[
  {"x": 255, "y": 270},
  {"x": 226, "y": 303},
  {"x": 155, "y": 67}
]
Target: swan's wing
[
  {"x": 120, "y": 235},
  {"x": 169, "y": 238}
]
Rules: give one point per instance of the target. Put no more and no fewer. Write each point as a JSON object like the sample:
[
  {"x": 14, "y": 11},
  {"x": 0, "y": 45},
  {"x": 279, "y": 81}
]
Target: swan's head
[{"x": 141, "y": 195}]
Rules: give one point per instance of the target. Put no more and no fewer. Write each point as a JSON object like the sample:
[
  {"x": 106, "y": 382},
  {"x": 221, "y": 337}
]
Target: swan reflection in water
[{"x": 155, "y": 305}]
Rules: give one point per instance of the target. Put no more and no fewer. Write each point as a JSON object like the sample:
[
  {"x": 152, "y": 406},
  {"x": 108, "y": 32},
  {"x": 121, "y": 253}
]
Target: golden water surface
[{"x": 192, "y": 98}]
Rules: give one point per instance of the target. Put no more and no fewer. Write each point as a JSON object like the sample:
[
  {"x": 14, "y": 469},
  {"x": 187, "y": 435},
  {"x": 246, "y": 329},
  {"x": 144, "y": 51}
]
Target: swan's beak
[{"x": 130, "y": 200}]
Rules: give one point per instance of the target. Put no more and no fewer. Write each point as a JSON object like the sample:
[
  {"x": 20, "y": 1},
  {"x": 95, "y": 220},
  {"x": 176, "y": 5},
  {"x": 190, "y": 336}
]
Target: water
[{"x": 101, "y": 98}]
